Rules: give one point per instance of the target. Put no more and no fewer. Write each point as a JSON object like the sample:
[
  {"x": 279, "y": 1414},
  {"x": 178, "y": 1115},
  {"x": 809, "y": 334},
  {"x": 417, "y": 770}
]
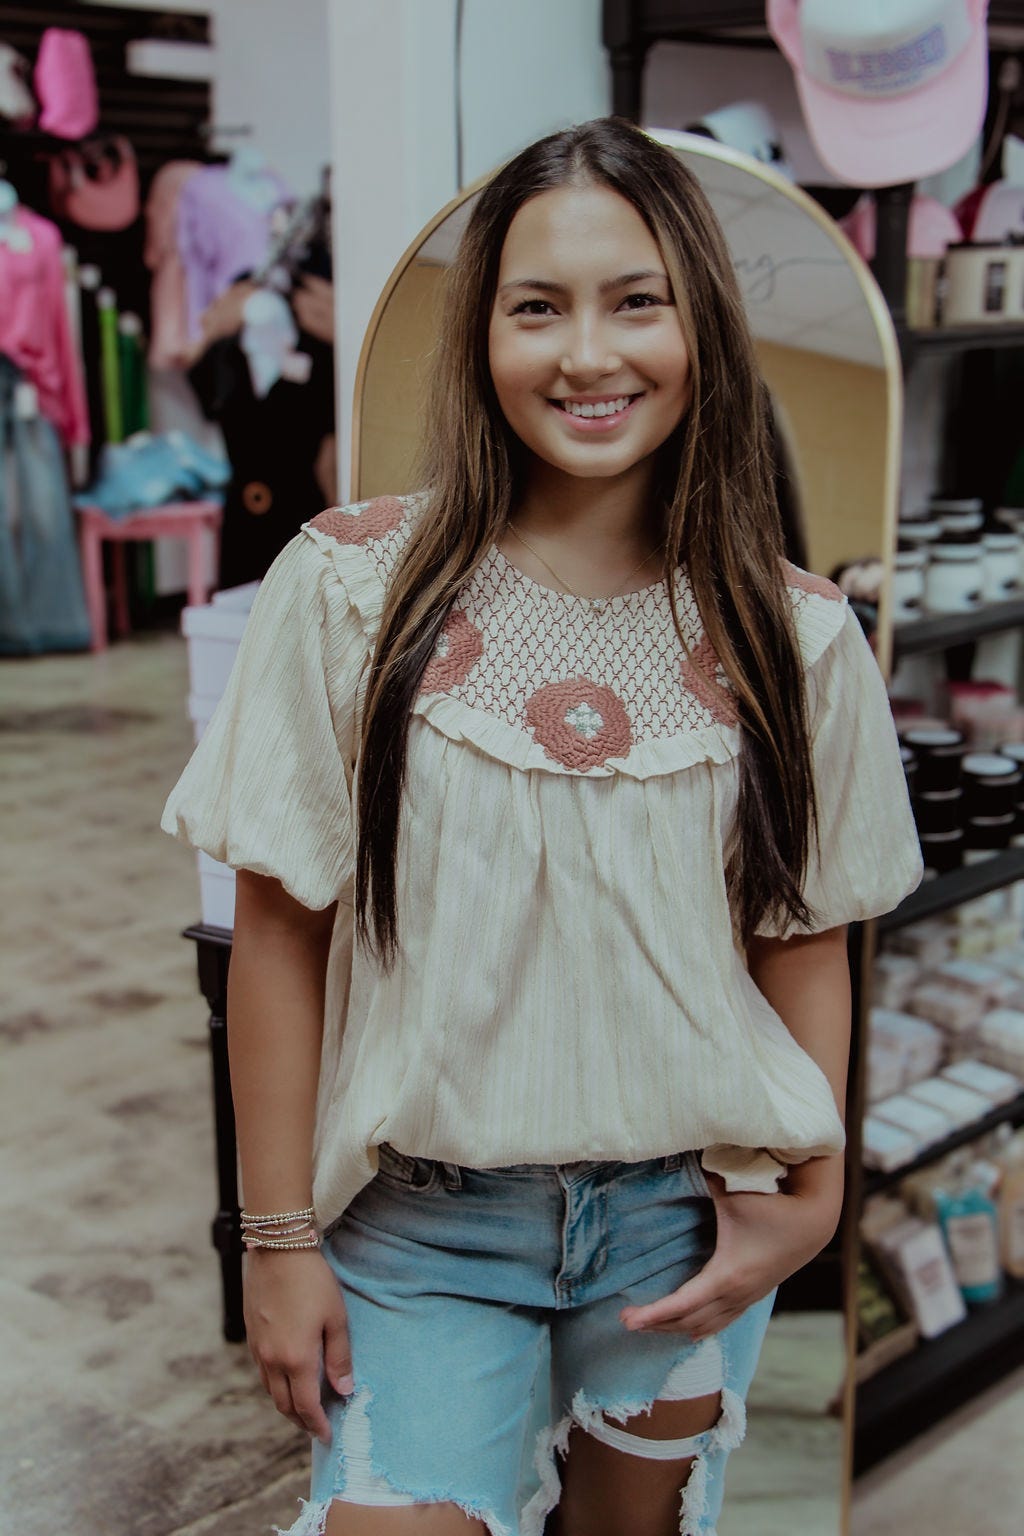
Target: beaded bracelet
[{"x": 281, "y": 1230}]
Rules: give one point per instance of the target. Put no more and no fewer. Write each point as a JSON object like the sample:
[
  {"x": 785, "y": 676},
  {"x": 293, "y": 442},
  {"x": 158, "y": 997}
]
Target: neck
[{"x": 614, "y": 515}]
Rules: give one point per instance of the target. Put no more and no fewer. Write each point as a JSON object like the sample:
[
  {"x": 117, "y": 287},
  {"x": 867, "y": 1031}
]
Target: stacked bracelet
[{"x": 284, "y": 1229}]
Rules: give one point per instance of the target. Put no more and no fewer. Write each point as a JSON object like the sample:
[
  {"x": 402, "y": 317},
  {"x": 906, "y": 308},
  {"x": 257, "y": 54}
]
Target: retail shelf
[
  {"x": 960, "y": 338},
  {"x": 941, "y": 1374},
  {"x": 945, "y": 892},
  {"x": 943, "y": 630},
  {"x": 1011, "y": 1113}
]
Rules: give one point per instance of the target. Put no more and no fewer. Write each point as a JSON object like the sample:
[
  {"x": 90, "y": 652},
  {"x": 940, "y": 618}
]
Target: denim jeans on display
[
  {"x": 483, "y": 1309},
  {"x": 42, "y": 601}
]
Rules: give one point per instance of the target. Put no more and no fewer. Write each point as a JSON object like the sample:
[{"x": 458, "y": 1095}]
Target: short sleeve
[
  {"x": 268, "y": 788},
  {"x": 867, "y": 857}
]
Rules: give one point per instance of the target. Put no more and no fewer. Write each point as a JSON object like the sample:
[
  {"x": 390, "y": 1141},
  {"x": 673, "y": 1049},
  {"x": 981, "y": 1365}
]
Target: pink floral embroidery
[
  {"x": 459, "y": 645},
  {"x": 349, "y": 525},
  {"x": 699, "y": 671},
  {"x": 795, "y": 577},
  {"x": 579, "y": 724}
]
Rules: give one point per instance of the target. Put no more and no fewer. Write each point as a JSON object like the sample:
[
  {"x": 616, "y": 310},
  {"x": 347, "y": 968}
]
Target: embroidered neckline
[{"x": 617, "y": 604}]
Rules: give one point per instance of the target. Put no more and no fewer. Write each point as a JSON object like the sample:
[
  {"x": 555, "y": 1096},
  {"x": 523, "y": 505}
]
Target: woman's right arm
[{"x": 294, "y": 1312}]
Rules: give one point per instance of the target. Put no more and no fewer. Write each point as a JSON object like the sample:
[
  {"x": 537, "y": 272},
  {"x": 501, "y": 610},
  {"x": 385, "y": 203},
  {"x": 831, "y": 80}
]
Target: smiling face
[{"x": 586, "y": 349}]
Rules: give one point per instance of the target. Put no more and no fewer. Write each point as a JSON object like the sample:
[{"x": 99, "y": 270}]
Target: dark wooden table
[{"x": 213, "y": 954}]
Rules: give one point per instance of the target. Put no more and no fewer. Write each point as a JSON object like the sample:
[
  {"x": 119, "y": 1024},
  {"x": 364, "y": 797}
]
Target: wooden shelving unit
[{"x": 942, "y": 631}]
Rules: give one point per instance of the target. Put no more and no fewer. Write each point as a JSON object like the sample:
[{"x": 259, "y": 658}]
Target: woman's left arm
[{"x": 761, "y": 1239}]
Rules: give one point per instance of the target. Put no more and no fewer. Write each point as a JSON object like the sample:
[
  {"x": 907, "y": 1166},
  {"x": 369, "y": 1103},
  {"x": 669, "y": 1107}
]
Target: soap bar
[
  {"x": 954, "y": 1011},
  {"x": 893, "y": 978},
  {"x": 961, "y": 1105},
  {"x": 929, "y": 942},
  {"x": 998, "y": 1087},
  {"x": 991, "y": 987},
  {"x": 884, "y": 1146},
  {"x": 920, "y": 1265},
  {"x": 918, "y": 1042},
  {"x": 922, "y": 1121}
]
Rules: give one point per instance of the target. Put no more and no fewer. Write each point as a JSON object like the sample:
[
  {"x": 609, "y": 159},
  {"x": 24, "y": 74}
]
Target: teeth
[{"x": 609, "y": 408}]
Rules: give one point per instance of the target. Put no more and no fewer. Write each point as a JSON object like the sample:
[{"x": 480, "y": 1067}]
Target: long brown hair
[{"x": 721, "y": 520}]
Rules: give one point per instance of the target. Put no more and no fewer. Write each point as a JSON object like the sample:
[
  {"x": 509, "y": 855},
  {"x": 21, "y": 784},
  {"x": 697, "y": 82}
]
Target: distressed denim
[
  {"x": 483, "y": 1310},
  {"x": 42, "y": 601}
]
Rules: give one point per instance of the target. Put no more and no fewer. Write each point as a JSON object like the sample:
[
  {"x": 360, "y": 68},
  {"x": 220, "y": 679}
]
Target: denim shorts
[{"x": 483, "y": 1309}]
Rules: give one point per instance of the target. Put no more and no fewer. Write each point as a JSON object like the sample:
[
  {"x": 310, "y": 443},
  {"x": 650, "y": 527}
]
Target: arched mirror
[{"x": 829, "y": 356}]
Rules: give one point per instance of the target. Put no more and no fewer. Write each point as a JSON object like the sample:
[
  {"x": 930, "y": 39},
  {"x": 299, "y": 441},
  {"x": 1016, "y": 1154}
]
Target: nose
[{"x": 590, "y": 354}]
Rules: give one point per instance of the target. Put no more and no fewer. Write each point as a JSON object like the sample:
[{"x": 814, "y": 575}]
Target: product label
[
  {"x": 1014, "y": 1228},
  {"x": 972, "y": 1245}
]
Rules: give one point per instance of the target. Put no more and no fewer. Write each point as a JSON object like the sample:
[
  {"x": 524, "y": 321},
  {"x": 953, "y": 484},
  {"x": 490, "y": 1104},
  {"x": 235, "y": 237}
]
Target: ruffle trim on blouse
[
  {"x": 819, "y": 611},
  {"x": 508, "y": 744},
  {"x": 357, "y": 575}
]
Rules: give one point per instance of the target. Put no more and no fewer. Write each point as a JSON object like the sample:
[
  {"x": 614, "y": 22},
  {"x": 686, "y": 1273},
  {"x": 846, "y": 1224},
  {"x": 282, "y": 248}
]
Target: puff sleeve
[
  {"x": 268, "y": 787},
  {"x": 867, "y": 857}
]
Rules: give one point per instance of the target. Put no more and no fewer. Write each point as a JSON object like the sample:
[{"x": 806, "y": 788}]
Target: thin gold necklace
[{"x": 595, "y": 602}]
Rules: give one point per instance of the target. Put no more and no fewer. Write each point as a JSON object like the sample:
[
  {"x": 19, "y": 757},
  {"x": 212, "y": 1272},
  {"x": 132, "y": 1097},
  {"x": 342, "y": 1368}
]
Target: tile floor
[{"x": 124, "y": 1413}]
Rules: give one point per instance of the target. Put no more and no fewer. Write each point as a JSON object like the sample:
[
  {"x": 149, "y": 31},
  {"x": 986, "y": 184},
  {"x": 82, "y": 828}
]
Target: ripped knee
[{"x": 694, "y": 1399}]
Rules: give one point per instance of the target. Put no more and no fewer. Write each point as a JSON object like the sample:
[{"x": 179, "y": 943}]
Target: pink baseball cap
[{"x": 892, "y": 90}]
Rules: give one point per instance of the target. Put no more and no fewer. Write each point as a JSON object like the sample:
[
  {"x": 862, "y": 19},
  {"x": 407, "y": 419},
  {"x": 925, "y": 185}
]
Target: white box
[{"x": 216, "y": 892}]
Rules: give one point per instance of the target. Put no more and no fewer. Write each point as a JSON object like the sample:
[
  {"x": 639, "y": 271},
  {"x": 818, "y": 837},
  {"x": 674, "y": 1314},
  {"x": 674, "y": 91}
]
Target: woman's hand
[
  {"x": 295, "y": 1318},
  {"x": 761, "y": 1239}
]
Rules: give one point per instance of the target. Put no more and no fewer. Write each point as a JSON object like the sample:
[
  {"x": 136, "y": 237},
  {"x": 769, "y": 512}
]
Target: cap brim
[{"x": 886, "y": 140}]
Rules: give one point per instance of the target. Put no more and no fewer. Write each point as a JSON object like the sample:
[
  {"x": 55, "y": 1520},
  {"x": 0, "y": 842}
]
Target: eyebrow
[{"x": 545, "y": 286}]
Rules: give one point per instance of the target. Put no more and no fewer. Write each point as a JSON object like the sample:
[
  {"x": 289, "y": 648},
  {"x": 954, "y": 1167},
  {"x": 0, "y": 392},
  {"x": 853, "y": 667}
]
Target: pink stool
[{"x": 189, "y": 520}]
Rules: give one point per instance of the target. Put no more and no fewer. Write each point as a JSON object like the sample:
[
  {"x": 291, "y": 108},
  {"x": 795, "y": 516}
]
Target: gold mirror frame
[{"x": 869, "y": 531}]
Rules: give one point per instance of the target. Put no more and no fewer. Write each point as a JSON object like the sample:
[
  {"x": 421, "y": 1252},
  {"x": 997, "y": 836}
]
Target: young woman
[{"x": 539, "y": 1078}]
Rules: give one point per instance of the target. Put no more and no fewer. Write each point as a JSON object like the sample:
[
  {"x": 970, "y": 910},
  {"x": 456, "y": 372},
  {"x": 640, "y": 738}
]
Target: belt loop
[
  {"x": 452, "y": 1175},
  {"x": 673, "y": 1162}
]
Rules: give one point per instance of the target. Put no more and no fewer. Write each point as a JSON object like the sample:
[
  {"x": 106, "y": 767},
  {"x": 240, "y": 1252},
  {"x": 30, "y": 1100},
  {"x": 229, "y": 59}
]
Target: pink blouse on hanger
[{"x": 35, "y": 330}]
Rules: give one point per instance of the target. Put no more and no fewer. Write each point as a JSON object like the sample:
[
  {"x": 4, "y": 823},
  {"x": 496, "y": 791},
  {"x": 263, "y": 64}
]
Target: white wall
[
  {"x": 683, "y": 81},
  {"x": 527, "y": 69}
]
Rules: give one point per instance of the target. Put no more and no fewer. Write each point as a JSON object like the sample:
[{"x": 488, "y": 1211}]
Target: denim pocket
[
  {"x": 696, "y": 1171},
  {"x": 403, "y": 1171}
]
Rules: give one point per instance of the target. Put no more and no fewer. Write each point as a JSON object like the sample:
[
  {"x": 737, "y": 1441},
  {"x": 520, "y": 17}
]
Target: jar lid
[
  {"x": 907, "y": 757},
  {"x": 940, "y": 504},
  {"x": 1013, "y": 749},
  {"x": 929, "y": 737},
  {"x": 909, "y": 559},
  {"x": 1001, "y": 541},
  {"x": 921, "y": 530},
  {"x": 954, "y": 836},
  {"x": 991, "y": 765},
  {"x": 957, "y": 552}
]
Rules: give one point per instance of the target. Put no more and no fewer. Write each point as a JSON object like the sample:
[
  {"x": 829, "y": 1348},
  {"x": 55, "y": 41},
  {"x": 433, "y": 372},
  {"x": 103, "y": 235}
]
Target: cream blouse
[{"x": 569, "y": 985}]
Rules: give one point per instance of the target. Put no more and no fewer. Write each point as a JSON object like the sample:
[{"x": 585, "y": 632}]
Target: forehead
[{"x": 577, "y": 232}]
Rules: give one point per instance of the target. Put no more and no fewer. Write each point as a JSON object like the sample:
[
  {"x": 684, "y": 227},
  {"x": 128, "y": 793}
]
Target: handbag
[{"x": 96, "y": 184}]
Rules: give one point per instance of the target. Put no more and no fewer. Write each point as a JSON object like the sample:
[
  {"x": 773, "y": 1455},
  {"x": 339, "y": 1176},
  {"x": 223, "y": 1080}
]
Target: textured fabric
[
  {"x": 569, "y": 985},
  {"x": 220, "y": 236},
  {"x": 35, "y": 330},
  {"x": 506, "y": 1286},
  {"x": 42, "y": 601},
  {"x": 168, "y": 346}
]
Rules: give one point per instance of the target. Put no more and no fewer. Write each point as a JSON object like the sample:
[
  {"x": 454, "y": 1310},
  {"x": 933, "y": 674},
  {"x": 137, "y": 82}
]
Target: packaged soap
[
  {"x": 968, "y": 1216},
  {"x": 958, "y": 1013},
  {"x": 886, "y": 1070},
  {"x": 987, "y": 984},
  {"x": 918, "y": 1265},
  {"x": 885, "y": 1146},
  {"x": 923, "y": 1122},
  {"x": 1000, "y": 1039},
  {"x": 917, "y": 1042},
  {"x": 893, "y": 978},
  {"x": 1008, "y": 1155},
  {"x": 997, "y": 1086},
  {"x": 929, "y": 942},
  {"x": 960, "y": 1104}
]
